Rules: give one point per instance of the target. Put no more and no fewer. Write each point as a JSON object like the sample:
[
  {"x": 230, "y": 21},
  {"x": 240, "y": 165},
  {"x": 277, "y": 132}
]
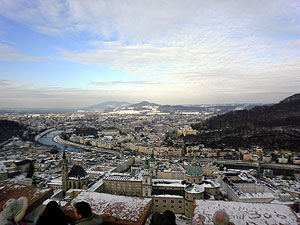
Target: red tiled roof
[{"x": 35, "y": 196}]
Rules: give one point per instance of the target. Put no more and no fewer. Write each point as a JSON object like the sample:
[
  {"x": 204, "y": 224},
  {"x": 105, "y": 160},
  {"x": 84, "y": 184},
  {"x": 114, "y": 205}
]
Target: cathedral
[
  {"x": 175, "y": 195},
  {"x": 77, "y": 178}
]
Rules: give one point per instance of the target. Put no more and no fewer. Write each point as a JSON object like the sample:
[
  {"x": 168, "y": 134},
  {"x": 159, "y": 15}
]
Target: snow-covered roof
[
  {"x": 168, "y": 183},
  {"x": 56, "y": 181},
  {"x": 195, "y": 188},
  {"x": 122, "y": 208},
  {"x": 167, "y": 196},
  {"x": 122, "y": 177},
  {"x": 34, "y": 195},
  {"x": 244, "y": 213},
  {"x": 210, "y": 184}
]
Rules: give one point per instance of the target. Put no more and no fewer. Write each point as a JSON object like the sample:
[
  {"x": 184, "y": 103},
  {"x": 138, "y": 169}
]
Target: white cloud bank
[{"x": 208, "y": 51}]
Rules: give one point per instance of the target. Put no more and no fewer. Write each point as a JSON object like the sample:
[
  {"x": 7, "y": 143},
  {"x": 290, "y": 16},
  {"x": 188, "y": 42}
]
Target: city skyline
[{"x": 80, "y": 53}]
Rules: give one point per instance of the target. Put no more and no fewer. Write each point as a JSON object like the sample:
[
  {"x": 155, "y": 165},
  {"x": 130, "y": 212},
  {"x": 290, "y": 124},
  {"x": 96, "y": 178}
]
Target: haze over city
[{"x": 79, "y": 53}]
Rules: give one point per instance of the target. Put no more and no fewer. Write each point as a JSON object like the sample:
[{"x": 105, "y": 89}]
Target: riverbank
[
  {"x": 37, "y": 137},
  {"x": 57, "y": 139}
]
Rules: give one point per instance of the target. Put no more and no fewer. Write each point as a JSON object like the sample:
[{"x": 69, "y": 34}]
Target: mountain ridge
[
  {"x": 105, "y": 106},
  {"x": 268, "y": 126}
]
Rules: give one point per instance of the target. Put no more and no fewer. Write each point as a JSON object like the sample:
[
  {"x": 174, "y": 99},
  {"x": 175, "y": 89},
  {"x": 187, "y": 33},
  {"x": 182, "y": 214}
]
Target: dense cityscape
[{"x": 144, "y": 153}]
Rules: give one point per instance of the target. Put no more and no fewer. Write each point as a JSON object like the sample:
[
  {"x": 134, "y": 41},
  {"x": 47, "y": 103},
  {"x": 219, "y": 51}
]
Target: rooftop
[
  {"x": 114, "y": 208},
  {"x": 78, "y": 172},
  {"x": 168, "y": 183},
  {"x": 35, "y": 195},
  {"x": 194, "y": 170},
  {"x": 244, "y": 213}
]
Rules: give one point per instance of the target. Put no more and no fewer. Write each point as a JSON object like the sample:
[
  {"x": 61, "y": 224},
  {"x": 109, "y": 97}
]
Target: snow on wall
[{"x": 244, "y": 213}]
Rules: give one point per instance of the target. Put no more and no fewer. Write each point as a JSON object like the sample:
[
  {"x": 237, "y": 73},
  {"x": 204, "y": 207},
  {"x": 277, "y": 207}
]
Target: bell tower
[
  {"x": 152, "y": 165},
  {"x": 147, "y": 181},
  {"x": 64, "y": 173}
]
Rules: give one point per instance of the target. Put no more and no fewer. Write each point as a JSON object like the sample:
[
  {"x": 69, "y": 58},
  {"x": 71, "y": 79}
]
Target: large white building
[{"x": 243, "y": 187}]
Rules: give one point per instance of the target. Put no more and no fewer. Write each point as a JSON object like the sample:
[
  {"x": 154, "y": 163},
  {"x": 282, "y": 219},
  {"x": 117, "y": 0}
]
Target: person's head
[
  {"x": 170, "y": 215},
  {"x": 51, "y": 214},
  {"x": 14, "y": 209},
  {"x": 52, "y": 208},
  {"x": 220, "y": 218},
  {"x": 82, "y": 210},
  {"x": 160, "y": 219}
]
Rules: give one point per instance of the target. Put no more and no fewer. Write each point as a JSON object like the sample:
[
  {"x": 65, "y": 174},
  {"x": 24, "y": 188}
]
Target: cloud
[
  {"x": 4, "y": 83},
  {"x": 146, "y": 20},
  {"x": 22, "y": 95},
  {"x": 183, "y": 51},
  {"x": 8, "y": 53},
  {"x": 120, "y": 82}
]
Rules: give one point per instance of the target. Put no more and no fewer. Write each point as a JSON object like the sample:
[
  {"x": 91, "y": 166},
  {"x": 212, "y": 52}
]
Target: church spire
[
  {"x": 64, "y": 172},
  {"x": 64, "y": 154}
]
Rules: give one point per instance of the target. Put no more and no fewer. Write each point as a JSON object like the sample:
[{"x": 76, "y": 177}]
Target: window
[
  {"x": 164, "y": 206},
  {"x": 186, "y": 204},
  {"x": 146, "y": 181},
  {"x": 156, "y": 200},
  {"x": 164, "y": 200},
  {"x": 179, "y": 207},
  {"x": 179, "y": 201},
  {"x": 172, "y": 206},
  {"x": 156, "y": 205},
  {"x": 172, "y": 201}
]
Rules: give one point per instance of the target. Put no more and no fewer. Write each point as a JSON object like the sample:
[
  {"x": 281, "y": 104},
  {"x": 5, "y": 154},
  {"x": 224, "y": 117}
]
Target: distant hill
[
  {"x": 146, "y": 106},
  {"x": 143, "y": 103},
  {"x": 105, "y": 106},
  {"x": 270, "y": 126},
  {"x": 141, "y": 106}
]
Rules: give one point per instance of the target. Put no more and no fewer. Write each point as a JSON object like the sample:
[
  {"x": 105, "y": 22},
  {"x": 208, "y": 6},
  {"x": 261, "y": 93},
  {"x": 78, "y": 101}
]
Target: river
[{"x": 47, "y": 140}]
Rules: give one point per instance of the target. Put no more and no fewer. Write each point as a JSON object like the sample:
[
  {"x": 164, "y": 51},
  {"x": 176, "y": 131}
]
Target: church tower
[
  {"x": 153, "y": 165},
  {"x": 64, "y": 173},
  {"x": 147, "y": 181}
]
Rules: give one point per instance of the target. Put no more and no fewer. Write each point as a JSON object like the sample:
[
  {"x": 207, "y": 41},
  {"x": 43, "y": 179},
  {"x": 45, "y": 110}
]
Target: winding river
[{"x": 47, "y": 140}]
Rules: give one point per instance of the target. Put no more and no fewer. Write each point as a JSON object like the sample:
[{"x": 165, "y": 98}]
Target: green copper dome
[
  {"x": 146, "y": 165},
  {"x": 194, "y": 171}
]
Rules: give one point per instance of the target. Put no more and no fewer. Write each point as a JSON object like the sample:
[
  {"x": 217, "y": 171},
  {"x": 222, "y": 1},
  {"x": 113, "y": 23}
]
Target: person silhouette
[{"x": 53, "y": 214}]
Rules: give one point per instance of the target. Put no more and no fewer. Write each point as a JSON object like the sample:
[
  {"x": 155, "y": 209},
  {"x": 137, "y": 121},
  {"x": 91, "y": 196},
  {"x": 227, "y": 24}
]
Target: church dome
[
  {"x": 194, "y": 169},
  {"x": 77, "y": 172},
  {"x": 53, "y": 151}
]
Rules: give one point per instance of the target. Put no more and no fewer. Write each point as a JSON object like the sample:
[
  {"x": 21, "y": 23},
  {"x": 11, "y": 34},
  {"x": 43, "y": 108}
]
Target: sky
[{"x": 76, "y": 53}]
